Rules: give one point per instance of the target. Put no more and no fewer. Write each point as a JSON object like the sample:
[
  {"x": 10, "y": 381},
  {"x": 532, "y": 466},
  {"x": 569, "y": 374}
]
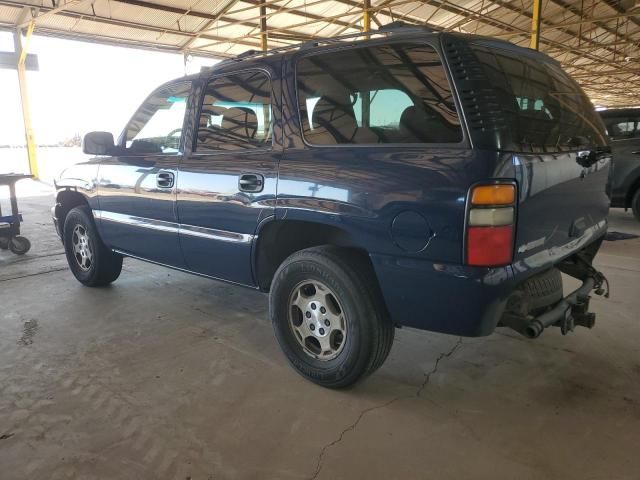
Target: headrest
[
  {"x": 209, "y": 111},
  {"x": 240, "y": 122}
]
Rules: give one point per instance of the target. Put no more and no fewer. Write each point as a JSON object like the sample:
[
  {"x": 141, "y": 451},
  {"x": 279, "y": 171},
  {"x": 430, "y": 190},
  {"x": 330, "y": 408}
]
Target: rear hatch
[{"x": 546, "y": 135}]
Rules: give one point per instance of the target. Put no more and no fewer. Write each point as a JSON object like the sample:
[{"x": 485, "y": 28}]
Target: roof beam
[
  {"x": 61, "y": 7},
  {"x": 545, "y": 22},
  {"x": 296, "y": 12},
  {"x": 210, "y": 22},
  {"x": 223, "y": 18},
  {"x": 615, "y": 5},
  {"x": 596, "y": 21},
  {"x": 125, "y": 23}
]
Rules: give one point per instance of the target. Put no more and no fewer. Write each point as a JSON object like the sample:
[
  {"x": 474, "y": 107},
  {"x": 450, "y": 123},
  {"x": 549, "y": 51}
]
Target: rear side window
[
  {"x": 397, "y": 93},
  {"x": 544, "y": 106},
  {"x": 236, "y": 113}
]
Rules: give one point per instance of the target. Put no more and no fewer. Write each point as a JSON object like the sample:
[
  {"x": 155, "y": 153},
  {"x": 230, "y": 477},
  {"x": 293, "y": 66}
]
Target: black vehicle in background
[{"x": 623, "y": 126}]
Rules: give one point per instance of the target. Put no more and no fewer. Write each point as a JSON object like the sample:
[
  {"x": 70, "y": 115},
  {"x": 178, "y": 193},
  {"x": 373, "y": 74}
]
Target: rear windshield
[
  {"x": 544, "y": 107},
  {"x": 396, "y": 93}
]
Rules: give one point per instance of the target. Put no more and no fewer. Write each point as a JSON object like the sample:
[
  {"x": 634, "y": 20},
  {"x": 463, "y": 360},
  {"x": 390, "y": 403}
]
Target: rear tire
[
  {"x": 635, "y": 204},
  {"x": 333, "y": 290},
  {"x": 90, "y": 261}
]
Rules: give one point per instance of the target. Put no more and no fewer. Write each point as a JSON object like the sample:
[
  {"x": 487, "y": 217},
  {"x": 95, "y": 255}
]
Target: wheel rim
[
  {"x": 82, "y": 250},
  {"x": 317, "y": 320}
]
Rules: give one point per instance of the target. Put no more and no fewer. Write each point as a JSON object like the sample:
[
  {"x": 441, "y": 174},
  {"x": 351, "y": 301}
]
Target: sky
[{"x": 81, "y": 87}]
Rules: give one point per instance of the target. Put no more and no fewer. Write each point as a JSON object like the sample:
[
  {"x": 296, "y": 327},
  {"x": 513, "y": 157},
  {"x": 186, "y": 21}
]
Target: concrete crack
[
  {"x": 348, "y": 429},
  {"x": 442, "y": 356},
  {"x": 34, "y": 274},
  {"x": 354, "y": 425}
]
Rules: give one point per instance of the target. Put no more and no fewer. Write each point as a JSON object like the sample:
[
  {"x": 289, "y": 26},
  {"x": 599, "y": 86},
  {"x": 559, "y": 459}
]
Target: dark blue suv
[{"x": 398, "y": 178}]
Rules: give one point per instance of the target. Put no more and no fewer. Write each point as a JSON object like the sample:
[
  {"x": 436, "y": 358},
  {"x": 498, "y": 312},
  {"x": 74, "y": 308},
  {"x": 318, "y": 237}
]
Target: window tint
[
  {"x": 157, "y": 125},
  {"x": 385, "y": 108},
  {"x": 542, "y": 105},
  {"x": 619, "y": 128},
  {"x": 396, "y": 93},
  {"x": 236, "y": 113}
]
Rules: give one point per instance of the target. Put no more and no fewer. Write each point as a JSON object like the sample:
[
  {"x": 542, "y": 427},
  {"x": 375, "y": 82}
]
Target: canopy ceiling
[{"x": 597, "y": 41}]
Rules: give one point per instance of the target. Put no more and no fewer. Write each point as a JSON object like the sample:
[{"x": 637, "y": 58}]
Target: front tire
[
  {"x": 328, "y": 316},
  {"x": 90, "y": 261}
]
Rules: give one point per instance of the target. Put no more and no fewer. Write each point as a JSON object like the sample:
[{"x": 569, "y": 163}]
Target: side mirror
[
  {"x": 586, "y": 158},
  {"x": 98, "y": 143}
]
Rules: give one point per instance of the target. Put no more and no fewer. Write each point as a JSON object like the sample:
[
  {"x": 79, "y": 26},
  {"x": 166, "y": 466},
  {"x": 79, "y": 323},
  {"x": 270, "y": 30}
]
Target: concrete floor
[{"x": 166, "y": 375}]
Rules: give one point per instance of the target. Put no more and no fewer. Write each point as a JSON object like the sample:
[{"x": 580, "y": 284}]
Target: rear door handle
[
  {"x": 165, "y": 179},
  {"x": 251, "y": 182},
  {"x": 637, "y": 152}
]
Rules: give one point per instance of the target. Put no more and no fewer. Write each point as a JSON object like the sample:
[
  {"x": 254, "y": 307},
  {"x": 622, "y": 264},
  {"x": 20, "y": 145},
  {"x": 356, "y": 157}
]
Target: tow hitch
[{"x": 568, "y": 313}]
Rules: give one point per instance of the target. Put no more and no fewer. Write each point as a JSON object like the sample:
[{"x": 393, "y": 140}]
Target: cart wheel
[
  {"x": 19, "y": 245},
  {"x": 4, "y": 243}
]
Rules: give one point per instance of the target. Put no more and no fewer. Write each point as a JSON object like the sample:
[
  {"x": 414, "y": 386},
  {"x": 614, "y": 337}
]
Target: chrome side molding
[{"x": 172, "y": 227}]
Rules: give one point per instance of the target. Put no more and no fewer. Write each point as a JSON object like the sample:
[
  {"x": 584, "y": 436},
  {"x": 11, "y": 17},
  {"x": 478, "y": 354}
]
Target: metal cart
[{"x": 10, "y": 225}]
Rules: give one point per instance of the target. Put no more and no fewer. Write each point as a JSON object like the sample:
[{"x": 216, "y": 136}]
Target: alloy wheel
[
  {"x": 317, "y": 320},
  {"x": 82, "y": 250}
]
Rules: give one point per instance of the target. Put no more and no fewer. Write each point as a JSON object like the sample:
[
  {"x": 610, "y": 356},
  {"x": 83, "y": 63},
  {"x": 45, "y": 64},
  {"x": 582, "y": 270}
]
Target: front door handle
[
  {"x": 251, "y": 182},
  {"x": 165, "y": 179}
]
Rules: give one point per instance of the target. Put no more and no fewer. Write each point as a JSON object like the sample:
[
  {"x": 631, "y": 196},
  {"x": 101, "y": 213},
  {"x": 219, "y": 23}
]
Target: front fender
[
  {"x": 77, "y": 185},
  {"x": 82, "y": 178}
]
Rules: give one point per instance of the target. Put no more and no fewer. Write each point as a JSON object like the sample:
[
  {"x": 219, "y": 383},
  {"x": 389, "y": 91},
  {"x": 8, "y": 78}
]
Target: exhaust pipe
[
  {"x": 570, "y": 311},
  {"x": 520, "y": 324}
]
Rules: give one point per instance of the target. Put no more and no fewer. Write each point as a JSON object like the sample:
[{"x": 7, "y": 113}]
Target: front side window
[
  {"x": 157, "y": 125},
  {"x": 397, "y": 93},
  {"x": 236, "y": 113}
]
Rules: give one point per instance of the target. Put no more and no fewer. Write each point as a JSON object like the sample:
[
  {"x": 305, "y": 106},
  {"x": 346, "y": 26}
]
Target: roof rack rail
[
  {"x": 402, "y": 27},
  {"x": 249, "y": 53},
  {"x": 252, "y": 53},
  {"x": 388, "y": 29}
]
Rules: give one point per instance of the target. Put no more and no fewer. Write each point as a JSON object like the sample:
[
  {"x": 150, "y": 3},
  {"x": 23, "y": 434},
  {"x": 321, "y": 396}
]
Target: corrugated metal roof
[{"x": 598, "y": 42}]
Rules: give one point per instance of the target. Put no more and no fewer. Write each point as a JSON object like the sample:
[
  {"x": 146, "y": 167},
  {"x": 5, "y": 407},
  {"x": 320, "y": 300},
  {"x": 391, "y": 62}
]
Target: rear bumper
[
  {"x": 454, "y": 299},
  {"x": 458, "y": 299}
]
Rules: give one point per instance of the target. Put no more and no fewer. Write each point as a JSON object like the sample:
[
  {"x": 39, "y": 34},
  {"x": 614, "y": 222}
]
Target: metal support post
[
  {"x": 535, "y": 25},
  {"x": 21, "y": 51}
]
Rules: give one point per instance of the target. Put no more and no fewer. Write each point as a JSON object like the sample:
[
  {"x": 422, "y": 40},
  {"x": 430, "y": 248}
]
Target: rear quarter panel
[{"x": 562, "y": 206}]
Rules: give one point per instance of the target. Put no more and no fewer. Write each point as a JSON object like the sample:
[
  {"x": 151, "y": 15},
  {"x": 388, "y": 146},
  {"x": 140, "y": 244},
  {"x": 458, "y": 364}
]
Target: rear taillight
[{"x": 491, "y": 225}]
